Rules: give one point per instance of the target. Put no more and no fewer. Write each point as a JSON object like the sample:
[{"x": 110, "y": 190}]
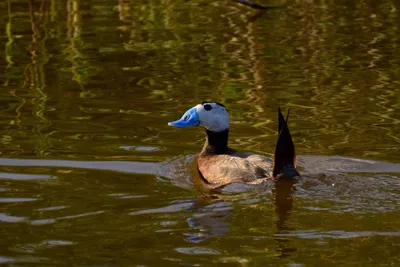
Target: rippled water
[{"x": 91, "y": 175}]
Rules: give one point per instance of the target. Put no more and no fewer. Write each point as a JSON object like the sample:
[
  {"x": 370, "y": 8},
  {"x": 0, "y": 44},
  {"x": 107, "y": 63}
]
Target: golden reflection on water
[
  {"x": 35, "y": 76},
  {"x": 88, "y": 89}
]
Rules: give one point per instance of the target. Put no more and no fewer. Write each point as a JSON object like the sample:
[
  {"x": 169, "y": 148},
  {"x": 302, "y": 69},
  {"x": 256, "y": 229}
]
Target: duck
[{"x": 218, "y": 164}]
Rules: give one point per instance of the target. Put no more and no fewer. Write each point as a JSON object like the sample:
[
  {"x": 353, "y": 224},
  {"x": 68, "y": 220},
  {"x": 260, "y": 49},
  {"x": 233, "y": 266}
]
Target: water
[{"x": 91, "y": 175}]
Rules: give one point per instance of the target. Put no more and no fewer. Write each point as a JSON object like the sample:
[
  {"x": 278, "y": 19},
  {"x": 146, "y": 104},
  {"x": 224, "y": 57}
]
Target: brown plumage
[{"x": 219, "y": 164}]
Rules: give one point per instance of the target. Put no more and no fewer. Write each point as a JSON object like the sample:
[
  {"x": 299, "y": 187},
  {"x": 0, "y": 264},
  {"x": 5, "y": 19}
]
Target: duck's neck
[{"x": 216, "y": 142}]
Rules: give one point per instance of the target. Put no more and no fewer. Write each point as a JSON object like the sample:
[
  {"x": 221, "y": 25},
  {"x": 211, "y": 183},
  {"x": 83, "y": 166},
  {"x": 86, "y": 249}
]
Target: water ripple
[
  {"x": 167, "y": 209},
  {"x": 336, "y": 234},
  {"x": 42, "y": 221},
  {"x": 16, "y": 199},
  {"x": 6, "y": 259},
  {"x": 24, "y": 177},
  {"x": 81, "y": 215},
  {"x": 198, "y": 251},
  {"x": 52, "y": 208},
  {"x": 33, "y": 248},
  {"x": 11, "y": 219}
]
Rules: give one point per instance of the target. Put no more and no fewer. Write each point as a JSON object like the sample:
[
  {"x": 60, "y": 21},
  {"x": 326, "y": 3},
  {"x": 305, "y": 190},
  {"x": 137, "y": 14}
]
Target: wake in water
[{"x": 351, "y": 184}]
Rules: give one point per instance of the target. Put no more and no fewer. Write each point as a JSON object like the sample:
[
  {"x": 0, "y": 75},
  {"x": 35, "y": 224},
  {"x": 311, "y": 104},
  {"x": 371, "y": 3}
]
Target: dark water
[{"x": 91, "y": 175}]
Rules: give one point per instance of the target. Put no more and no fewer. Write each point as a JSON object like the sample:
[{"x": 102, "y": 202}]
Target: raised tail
[
  {"x": 285, "y": 155},
  {"x": 255, "y": 5},
  {"x": 251, "y": 4}
]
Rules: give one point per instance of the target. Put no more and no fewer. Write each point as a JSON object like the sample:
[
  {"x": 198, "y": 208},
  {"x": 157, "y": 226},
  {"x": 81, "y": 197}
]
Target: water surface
[{"x": 91, "y": 175}]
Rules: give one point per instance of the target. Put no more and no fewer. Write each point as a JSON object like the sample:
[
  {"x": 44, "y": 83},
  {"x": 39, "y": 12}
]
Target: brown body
[
  {"x": 219, "y": 165},
  {"x": 234, "y": 167}
]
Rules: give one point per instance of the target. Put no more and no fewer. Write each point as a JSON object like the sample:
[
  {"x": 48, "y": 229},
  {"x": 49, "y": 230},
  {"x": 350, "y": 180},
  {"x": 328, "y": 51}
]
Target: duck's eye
[
  {"x": 207, "y": 107},
  {"x": 186, "y": 117}
]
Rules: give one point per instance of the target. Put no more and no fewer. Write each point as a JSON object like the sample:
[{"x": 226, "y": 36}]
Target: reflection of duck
[
  {"x": 221, "y": 165},
  {"x": 211, "y": 218}
]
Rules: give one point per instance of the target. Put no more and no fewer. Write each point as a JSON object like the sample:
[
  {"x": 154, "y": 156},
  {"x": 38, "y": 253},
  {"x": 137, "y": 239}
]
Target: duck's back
[{"x": 233, "y": 167}]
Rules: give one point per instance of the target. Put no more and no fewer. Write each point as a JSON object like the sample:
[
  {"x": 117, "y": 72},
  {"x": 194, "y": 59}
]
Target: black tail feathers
[
  {"x": 254, "y": 5},
  {"x": 285, "y": 155},
  {"x": 251, "y": 4}
]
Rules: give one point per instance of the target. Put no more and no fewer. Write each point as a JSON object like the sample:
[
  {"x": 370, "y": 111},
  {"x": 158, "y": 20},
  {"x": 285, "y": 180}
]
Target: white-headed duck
[{"x": 218, "y": 164}]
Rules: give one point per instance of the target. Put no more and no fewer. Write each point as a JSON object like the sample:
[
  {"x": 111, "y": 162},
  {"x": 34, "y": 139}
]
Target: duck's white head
[{"x": 211, "y": 115}]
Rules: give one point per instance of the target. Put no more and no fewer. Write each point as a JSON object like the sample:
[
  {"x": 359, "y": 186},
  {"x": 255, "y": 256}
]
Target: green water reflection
[{"x": 98, "y": 80}]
